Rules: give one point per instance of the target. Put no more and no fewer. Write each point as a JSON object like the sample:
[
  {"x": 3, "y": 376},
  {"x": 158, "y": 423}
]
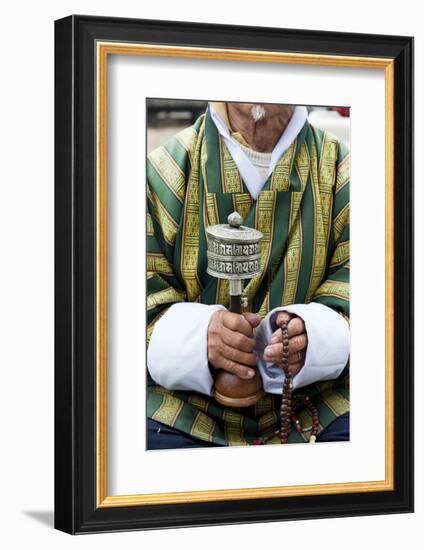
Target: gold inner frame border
[{"x": 103, "y": 50}]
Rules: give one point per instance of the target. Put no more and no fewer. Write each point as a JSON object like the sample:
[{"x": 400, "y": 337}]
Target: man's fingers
[
  {"x": 275, "y": 354},
  {"x": 237, "y": 323},
  {"x": 297, "y": 344},
  {"x": 238, "y": 340},
  {"x": 276, "y": 337},
  {"x": 296, "y": 326},
  {"x": 297, "y": 357},
  {"x": 238, "y": 356},
  {"x": 285, "y": 316},
  {"x": 235, "y": 368}
]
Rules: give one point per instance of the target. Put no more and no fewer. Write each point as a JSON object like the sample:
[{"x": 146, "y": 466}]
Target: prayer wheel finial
[{"x": 235, "y": 220}]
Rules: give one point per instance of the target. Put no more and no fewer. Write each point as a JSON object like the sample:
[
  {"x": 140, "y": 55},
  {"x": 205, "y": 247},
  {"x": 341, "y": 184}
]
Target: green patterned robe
[{"x": 303, "y": 213}]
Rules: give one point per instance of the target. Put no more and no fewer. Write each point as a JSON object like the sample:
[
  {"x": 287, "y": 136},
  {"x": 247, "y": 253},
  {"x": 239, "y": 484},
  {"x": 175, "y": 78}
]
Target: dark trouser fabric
[
  {"x": 338, "y": 430},
  {"x": 160, "y": 436}
]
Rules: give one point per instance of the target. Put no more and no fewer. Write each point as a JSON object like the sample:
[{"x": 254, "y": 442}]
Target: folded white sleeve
[
  {"x": 177, "y": 356},
  {"x": 327, "y": 352}
]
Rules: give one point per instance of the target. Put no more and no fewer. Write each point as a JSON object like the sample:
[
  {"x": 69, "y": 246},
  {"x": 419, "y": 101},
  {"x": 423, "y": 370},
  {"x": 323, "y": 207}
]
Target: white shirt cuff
[
  {"x": 328, "y": 346},
  {"x": 177, "y": 356}
]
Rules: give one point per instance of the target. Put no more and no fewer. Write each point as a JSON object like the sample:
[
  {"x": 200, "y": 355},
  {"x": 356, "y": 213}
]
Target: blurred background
[{"x": 166, "y": 117}]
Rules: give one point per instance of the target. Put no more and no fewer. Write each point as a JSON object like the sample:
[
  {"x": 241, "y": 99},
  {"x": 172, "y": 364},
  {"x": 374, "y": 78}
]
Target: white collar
[{"x": 251, "y": 177}]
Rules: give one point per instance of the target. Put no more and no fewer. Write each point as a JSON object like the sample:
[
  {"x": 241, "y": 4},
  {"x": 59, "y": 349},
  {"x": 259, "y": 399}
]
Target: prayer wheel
[{"x": 234, "y": 254}]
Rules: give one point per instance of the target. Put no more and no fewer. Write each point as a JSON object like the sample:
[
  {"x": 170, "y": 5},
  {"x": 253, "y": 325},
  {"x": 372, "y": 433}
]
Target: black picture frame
[{"x": 76, "y": 509}]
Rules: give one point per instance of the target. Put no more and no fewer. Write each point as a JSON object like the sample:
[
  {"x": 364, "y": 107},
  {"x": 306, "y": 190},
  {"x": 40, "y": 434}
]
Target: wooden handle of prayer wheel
[
  {"x": 230, "y": 390},
  {"x": 236, "y": 304}
]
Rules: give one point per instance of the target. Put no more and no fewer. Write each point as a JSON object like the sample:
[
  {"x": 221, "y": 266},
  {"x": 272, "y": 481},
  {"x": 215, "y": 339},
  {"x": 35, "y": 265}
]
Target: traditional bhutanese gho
[{"x": 303, "y": 214}]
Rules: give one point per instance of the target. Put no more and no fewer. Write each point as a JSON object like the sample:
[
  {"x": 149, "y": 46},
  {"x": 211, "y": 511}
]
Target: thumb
[
  {"x": 283, "y": 316},
  {"x": 253, "y": 318}
]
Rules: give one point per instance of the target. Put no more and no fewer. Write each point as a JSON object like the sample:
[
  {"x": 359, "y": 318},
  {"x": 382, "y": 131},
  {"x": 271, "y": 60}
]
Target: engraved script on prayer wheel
[
  {"x": 234, "y": 254},
  {"x": 233, "y": 250}
]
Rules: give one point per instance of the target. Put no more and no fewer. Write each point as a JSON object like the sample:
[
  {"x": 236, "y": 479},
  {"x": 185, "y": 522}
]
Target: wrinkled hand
[
  {"x": 298, "y": 342},
  {"x": 231, "y": 343}
]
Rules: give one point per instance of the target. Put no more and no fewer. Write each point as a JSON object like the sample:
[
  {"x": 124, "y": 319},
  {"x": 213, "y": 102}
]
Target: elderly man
[{"x": 291, "y": 182}]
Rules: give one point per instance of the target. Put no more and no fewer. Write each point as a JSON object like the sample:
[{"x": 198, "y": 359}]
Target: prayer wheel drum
[{"x": 234, "y": 254}]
